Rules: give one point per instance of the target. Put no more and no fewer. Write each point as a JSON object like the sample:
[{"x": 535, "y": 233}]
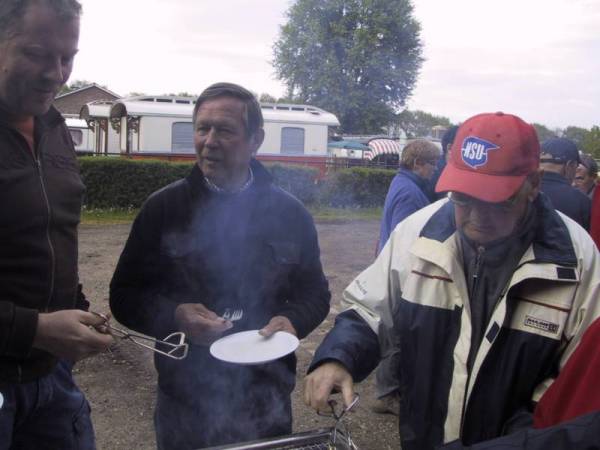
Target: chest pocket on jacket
[
  {"x": 542, "y": 308},
  {"x": 284, "y": 253}
]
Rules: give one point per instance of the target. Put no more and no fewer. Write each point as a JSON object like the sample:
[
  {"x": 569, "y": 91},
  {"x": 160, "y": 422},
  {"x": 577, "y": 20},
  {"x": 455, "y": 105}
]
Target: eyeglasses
[{"x": 467, "y": 202}]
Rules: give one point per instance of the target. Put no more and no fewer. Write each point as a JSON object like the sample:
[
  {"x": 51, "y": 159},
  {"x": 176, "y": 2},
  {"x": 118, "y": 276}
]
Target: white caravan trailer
[
  {"x": 163, "y": 125},
  {"x": 97, "y": 115},
  {"x": 81, "y": 135}
]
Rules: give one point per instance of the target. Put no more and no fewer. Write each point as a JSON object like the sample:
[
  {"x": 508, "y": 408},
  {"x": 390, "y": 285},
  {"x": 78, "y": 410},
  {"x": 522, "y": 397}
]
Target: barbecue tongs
[{"x": 174, "y": 344}]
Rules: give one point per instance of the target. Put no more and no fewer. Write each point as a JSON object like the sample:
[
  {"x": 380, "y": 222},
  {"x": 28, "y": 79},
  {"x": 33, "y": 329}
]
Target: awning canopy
[
  {"x": 382, "y": 146},
  {"x": 352, "y": 145}
]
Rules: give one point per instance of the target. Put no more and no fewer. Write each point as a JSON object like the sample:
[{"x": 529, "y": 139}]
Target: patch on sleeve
[{"x": 566, "y": 273}]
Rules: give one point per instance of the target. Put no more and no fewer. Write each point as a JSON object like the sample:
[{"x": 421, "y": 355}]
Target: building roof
[
  {"x": 89, "y": 86},
  {"x": 183, "y": 107}
]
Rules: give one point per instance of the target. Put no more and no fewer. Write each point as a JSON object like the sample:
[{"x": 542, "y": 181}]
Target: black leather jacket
[{"x": 40, "y": 199}]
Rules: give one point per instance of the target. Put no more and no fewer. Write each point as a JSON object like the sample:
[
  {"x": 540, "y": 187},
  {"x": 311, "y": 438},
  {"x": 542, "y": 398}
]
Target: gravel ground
[{"x": 121, "y": 385}]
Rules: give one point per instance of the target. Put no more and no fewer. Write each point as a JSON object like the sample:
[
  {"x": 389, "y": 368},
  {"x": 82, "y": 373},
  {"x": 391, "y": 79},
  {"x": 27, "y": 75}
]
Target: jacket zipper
[
  {"x": 474, "y": 281},
  {"x": 50, "y": 246}
]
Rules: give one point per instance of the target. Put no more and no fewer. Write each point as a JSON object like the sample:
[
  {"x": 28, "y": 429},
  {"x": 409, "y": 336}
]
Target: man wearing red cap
[{"x": 489, "y": 293}]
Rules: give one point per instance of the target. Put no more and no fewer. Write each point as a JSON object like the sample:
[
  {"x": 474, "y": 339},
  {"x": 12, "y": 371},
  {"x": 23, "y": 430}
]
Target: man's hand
[
  {"x": 319, "y": 384},
  {"x": 278, "y": 323},
  {"x": 201, "y": 325},
  {"x": 71, "y": 334}
]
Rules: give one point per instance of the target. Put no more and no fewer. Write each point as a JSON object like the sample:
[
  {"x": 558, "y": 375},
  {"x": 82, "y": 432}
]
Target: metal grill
[{"x": 323, "y": 439}]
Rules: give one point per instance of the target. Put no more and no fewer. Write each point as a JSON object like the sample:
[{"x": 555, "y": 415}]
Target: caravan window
[
  {"x": 292, "y": 140},
  {"x": 182, "y": 137},
  {"x": 77, "y": 136}
]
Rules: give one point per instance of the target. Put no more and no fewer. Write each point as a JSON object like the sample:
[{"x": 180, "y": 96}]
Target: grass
[
  {"x": 116, "y": 216},
  {"x": 323, "y": 213},
  {"x": 107, "y": 216}
]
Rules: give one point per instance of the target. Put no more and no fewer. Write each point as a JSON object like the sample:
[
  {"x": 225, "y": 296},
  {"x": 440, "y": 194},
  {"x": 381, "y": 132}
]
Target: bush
[
  {"x": 357, "y": 187},
  {"x": 299, "y": 181},
  {"x": 114, "y": 182}
]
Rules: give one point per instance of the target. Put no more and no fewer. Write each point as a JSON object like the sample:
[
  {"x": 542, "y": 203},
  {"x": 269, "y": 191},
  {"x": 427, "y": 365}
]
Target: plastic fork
[{"x": 233, "y": 314}]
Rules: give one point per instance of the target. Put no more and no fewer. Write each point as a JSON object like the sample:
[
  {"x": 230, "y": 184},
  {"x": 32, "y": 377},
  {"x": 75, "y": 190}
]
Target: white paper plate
[{"x": 249, "y": 347}]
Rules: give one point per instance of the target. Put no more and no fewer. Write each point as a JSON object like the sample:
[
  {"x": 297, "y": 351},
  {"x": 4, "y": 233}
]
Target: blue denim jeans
[{"x": 50, "y": 413}]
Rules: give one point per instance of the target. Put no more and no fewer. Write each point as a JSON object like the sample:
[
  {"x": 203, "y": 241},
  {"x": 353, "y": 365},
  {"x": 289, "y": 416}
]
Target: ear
[
  {"x": 535, "y": 181},
  {"x": 256, "y": 140}
]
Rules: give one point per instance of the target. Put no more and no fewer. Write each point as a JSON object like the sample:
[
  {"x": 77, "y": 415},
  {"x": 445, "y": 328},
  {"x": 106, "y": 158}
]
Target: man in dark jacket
[
  {"x": 224, "y": 237},
  {"x": 41, "y": 332},
  {"x": 408, "y": 190},
  {"x": 559, "y": 159}
]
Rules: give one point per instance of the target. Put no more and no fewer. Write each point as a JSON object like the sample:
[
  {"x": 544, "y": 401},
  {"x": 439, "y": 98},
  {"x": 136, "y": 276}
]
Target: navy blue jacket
[
  {"x": 405, "y": 196},
  {"x": 256, "y": 250},
  {"x": 567, "y": 199}
]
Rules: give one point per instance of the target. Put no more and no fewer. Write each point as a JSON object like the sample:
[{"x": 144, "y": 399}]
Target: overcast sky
[{"x": 539, "y": 59}]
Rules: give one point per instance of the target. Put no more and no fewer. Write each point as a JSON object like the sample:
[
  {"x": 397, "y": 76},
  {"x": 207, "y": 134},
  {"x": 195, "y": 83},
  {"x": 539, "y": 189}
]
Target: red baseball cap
[{"x": 490, "y": 158}]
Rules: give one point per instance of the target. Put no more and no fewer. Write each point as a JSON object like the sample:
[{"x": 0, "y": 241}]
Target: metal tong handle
[
  {"x": 332, "y": 404},
  {"x": 178, "y": 349}
]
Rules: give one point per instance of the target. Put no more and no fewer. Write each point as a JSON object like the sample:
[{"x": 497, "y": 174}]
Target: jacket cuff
[
  {"x": 299, "y": 325},
  {"x": 22, "y": 333}
]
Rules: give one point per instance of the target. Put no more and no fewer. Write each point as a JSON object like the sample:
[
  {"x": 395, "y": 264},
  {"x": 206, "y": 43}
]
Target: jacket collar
[
  {"x": 47, "y": 120},
  {"x": 419, "y": 181},
  {"x": 554, "y": 177},
  {"x": 262, "y": 178},
  {"x": 551, "y": 242}
]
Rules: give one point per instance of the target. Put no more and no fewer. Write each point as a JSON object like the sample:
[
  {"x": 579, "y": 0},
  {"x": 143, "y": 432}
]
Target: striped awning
[{"x": 382, "y": 146}]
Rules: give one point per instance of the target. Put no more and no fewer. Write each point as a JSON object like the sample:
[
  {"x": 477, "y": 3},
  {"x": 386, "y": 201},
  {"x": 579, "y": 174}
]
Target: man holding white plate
[{"x": 225, "y": 237}]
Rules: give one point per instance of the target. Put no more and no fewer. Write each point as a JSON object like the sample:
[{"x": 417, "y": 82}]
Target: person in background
[
  {"x": 447, "y": 140},
  {"x": 223, "y": 237},
  {"x": 488, "y": 293},
  {"x": 44, "y": 327},
  {"x": 407, "y": 194},
  {"x": 586, "y": 175},
  {"x": 559, "y": 160}
]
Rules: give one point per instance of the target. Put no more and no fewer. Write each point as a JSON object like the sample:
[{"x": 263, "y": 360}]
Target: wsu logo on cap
[{"x": 474, "y": 151}]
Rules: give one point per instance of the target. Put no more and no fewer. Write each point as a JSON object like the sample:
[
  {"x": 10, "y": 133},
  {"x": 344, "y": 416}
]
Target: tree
[
  {"x": 267, "y": 98},
  {"x": 419, "y": 123},
  {"x": 591, "y": 142},
  {"x": 356, "y": 58},
  {"x": 543, "y": 132},
  {"x": 76, "y": 84},
  {"x": 576, "y": 134}
]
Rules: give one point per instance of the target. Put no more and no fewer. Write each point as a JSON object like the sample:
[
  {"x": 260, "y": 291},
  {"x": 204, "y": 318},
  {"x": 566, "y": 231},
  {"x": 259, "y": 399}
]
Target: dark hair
[
  {"x": 253, "y": 118},
  {"x": 448, "y": 138},
  {"x": 589, "y": 163},
  {"x": 13, "y": 11}
]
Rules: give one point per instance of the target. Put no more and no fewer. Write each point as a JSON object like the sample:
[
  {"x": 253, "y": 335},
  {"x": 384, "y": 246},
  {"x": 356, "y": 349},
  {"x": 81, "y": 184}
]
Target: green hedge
[
  {"x": 114, "y": 182},
  {"x": 357, "y": 187},
  {"x": 300, "y": 181}
]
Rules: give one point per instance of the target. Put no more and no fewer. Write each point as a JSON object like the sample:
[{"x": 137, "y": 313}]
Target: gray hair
[
  {"x": 419, "y": 149},
  {"x": 13, "y": 11},
  {"x": 253, "y": 118}
]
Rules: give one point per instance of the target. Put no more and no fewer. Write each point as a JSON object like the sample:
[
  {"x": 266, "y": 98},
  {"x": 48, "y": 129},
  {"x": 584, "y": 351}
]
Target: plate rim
[{"x": 290, "y": 336}]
